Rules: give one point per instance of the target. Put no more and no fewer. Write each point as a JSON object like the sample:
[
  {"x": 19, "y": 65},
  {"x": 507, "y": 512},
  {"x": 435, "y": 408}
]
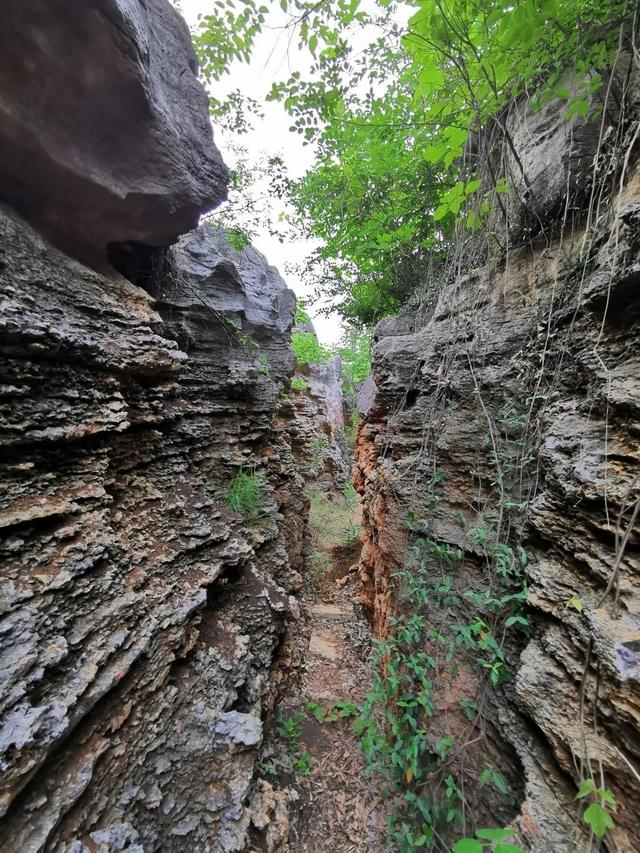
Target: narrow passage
[{"x": 339, "y": 807}]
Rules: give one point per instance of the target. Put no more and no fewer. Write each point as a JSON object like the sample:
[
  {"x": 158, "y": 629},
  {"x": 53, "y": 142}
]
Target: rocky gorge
[{"x": 185, "y": 598}]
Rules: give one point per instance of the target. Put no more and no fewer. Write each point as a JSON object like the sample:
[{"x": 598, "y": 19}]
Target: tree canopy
[{"x": 390, "y": 107}]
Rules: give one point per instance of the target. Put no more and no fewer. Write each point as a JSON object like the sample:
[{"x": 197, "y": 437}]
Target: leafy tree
[
  {"x": 472, "y": 58},
  {"x": 392, "y": 119},
  {"x": 354, "y": 352},
  {"x": 302, "y": 317},
  {"x": 307, "y": 348}
]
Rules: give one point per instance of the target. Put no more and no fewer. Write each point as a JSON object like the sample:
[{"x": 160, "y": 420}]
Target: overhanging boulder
[{"x": 104, "y": 125}]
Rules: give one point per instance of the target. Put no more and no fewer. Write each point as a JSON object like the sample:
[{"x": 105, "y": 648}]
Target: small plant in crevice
[
  {"x": 245, "y": 494},
  {"x": 284, "y": 399},
  {"x": 299, "y": 383},
  {"x": 263, "y": 365},
  {"x": 417, "y": 519},
  {"x": 302, "y": 764},
  {"x": 340, "y": 709},
  {"x": 289, "y": 729},
  {"x": 319, "y": 448},
  {"x": 489, "y": 776},
  {"x": 598, "y": 813},
  {"x": 268, "y": 768}
]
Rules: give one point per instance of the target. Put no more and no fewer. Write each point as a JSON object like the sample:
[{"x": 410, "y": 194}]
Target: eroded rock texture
[
  {"x": 316, "y": 425},
  {"x": 104, "y": 128},
  {"x": 140, "y": 611},
  {"x": 506, "y": 417},
  {"x": 140, "y": 614}
]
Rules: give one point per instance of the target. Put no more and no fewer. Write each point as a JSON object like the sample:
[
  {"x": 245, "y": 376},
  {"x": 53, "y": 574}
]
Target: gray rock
[
  {"x": 242, "y": 729},
  {"x": 104, "y": 128},
  {"x": 137, "y": 608},
  {"x": 318, "y": 427},
  {"x": 241, "y": 284},
  {"x": 366, "y": 395},
  {"x": 520, "y": 388},
  {"x": 546, "y": 157}
]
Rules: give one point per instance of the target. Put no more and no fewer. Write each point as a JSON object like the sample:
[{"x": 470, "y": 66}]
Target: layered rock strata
[
  {"x": 499, "y": 456},
  {"x": 151, "y": 514},
  {"x": 317, "y": 428},
  {"x": 140, "y": 612}
]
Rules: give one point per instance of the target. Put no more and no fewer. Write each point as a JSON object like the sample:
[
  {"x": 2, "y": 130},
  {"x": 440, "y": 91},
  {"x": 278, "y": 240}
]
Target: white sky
[{"x": 272, "y": 60}]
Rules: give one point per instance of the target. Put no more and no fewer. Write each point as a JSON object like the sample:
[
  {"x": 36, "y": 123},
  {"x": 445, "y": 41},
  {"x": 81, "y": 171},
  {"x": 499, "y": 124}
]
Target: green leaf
[
  {"x": 443, "y": 746},
  {"x": 486, "y": 775},
  {"x": 587, "y": 786},
  {"x": 576, "y": 603},
  {"x": 467, "y": 845},
  {"x": 494, "y": 834},
  {"x": 500, "y": 782},
  {"x": 608, "y": 797},
  {"x": 598, "y": 819}
]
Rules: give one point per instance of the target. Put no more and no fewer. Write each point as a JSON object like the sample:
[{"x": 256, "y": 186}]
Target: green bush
[{"x": 307, "y": 349}]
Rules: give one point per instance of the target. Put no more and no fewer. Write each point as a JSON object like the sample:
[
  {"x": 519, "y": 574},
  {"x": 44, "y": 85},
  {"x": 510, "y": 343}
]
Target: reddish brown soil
[{"x": 340, "y": 807}]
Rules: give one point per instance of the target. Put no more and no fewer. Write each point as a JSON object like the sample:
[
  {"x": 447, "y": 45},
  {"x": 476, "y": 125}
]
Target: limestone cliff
[
  {"x": 317, "y": 426},
  {"x": 500, "y": 452},
  {"x": 141, "y": 603}
]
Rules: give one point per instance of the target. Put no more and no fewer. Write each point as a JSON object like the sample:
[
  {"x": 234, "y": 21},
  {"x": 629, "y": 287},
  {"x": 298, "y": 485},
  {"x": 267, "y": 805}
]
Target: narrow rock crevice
[{"x": 225, "y": 624}]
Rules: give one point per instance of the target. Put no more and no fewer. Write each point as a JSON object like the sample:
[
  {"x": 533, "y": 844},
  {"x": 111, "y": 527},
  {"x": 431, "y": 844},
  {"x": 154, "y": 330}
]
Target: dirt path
[
  {"x": 311, "y": 754},
  {"x": 340, "y": 808}
]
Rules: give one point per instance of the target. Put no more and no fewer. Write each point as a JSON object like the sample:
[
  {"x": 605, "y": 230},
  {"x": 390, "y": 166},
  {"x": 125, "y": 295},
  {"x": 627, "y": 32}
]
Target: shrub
[{"x": 307, "y": 349}]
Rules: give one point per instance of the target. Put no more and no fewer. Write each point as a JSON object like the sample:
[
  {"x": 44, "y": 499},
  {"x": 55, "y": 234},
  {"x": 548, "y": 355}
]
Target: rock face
[
  {"x": 140, "y": 613},
  {"x": 500, "y": 452},
  {"x": 104, "y": 131},
  {"x": 151, "y": 514},
  {"x": 317, "y": 426}
]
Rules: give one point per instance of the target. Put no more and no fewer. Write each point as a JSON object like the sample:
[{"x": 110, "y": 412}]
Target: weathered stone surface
[
  {"x": 518, "y": 387},
  {"x": 104, "y": 128},
  {"x": 547, "y": 154},
  {"x": 316, "y": 426},
  {"x": 366, "y": 395},
  {"x": 140, "y": 616}
]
